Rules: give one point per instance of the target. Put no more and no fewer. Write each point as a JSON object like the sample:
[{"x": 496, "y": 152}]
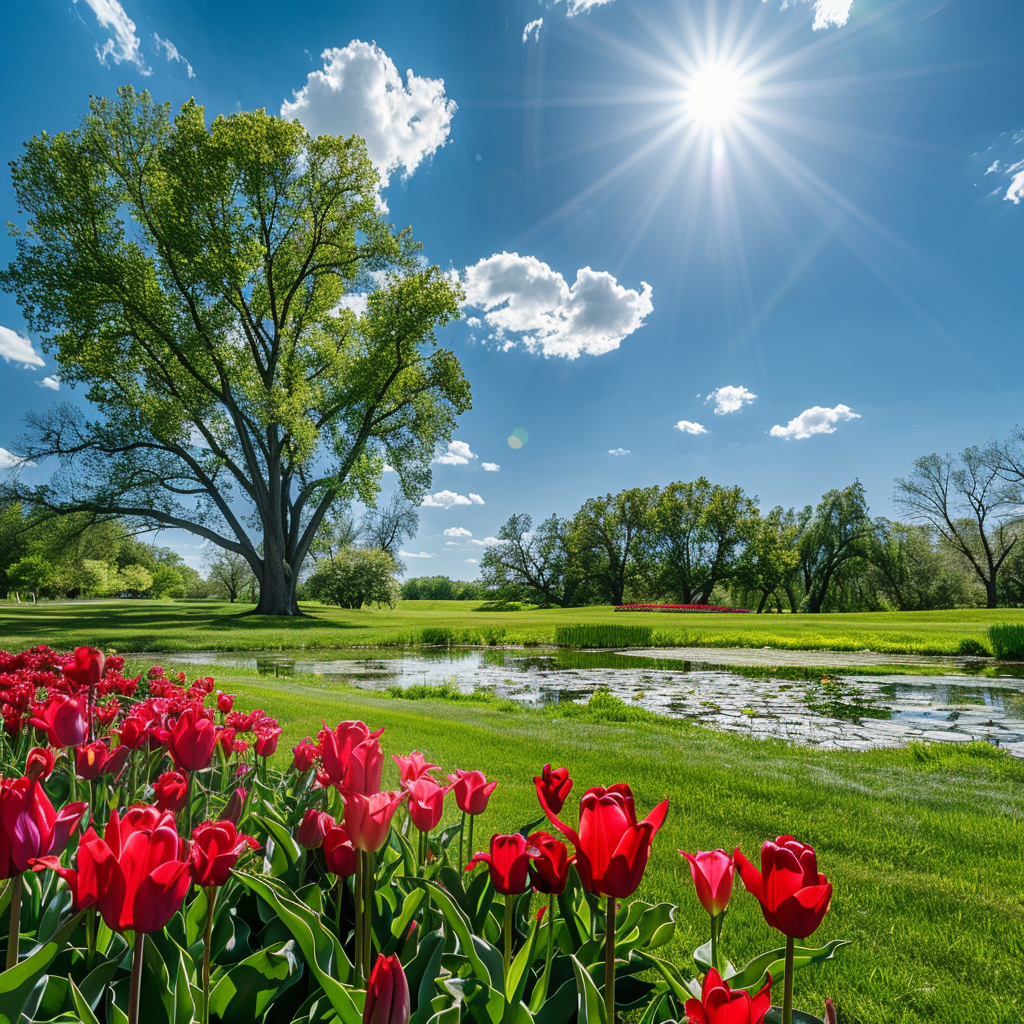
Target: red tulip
[
  {"x": 233, "y": 808},
  {"x": 267, "y": 735},
  {"x": 414, "y": 767},
  {"x": 191, "y": 740},
  {"x": 225, "y": 702},
  {"x": 81, "y": 881},
  {"x": 86, "y": 667},
  {"x": 311, "y": 831},
  {"x": 65, "y": 719},
  {"x": 305, "y": 757},
  {"x": 142, "y": 869},
  {"x": 387, "y": 993},
  {"x": 712, "y": 875},
  {"x": 336, "y": 745},
  {"x": 226, "y": 740},
  {"x": 611, "y": 846},
  {"x": 134, "y": 732},
  {"x": 216, "y": 847},
  {"x": 339, "y": 853},
  {"x": 794, "y": 897},
  {"x": 549, "y": 872},
  {"x": 39, "y": 763},
  {"x": 29, "y": 826},
  {"x": 472, "y": 791},
  {"x": 96, "y": 758},
  {"x": 556, "y": 785},
  {"x": 368, "y": 818},
  {"x": 426, "y": 802},
  {"x": 171, "y": 791},
  {"x": 365, "y": 765},
  {"x": 719, "y": 1004},
  {"x": 508, "y": 863}
]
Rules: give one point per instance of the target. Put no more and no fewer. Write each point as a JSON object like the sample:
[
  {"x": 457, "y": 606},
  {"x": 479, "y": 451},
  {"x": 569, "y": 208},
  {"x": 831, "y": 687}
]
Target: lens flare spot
[{"x": 714, "y": 95}]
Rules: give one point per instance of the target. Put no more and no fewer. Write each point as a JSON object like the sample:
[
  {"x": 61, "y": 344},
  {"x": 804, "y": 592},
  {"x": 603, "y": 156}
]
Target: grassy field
[
  {"x": 173, "y": 626},
  {"x": 925, "y": 845}
]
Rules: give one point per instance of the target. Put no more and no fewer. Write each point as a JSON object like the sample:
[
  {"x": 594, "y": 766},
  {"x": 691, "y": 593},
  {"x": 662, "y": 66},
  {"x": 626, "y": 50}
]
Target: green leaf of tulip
[
  {"x": 752, "y": 977},
  {"x": 591, "y": 1002},
  {"x": 16, "y": 984},
  {"x": 243, "y": 993}
]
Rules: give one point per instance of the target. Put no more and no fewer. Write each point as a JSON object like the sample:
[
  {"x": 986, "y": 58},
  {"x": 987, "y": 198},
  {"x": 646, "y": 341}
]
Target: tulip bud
[
  {"x": 39, "y": 763},
  {"x": 233, "y": 809},
  {"x": 171, "y": 791},
  {"x": 339, "y": 853},
  {"x": 387, "y": 993},
  {"x": 225, "y": 702},
  {"x": 830, "y": 1011},
  {"x": 310, "y": 833}
]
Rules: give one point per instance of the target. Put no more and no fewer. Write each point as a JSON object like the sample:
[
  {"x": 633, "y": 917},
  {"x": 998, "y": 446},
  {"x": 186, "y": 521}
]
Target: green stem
[
  {"x": 15, "y": 933},
  {"x": 368, "y": 881},
  {"x": 714, "y": 942},
  {"x": 508, "y": 933},
  {"x": 469, "y": 844},
  {"x": 462, "y": 831},
  {"x": 90, "y": 936},
  {"x": 136, "y": 982},
  {"x": 609, "y": 961},
  {"x": 358, "y": 894},
  {"x": 787, "y": 996},
  {"x": 551, "y": 942},
  {"x": 337, "y": 907},
  {"x": 188, "y": 804},
  {"x": 211, "y": 899}
]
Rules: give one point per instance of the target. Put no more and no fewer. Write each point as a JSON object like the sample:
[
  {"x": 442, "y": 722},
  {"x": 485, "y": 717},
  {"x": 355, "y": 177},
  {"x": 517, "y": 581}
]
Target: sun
[{"x": 714, "y": 96}]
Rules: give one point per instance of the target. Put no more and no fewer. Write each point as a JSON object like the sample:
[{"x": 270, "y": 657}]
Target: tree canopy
[{"x": 193, "y": 279}]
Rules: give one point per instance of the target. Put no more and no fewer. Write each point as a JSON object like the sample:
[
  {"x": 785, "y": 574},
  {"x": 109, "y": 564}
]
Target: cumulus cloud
[
  {"x": 1005, "y": 159},
  {"x": 457, "y": 531},
  {"x": 486, "y": 542},
  {"x": 490, "y": 467},
  {"x": 1015, "y": 191},
  {"x": 816, "y": 420},
  {"x": 8, "y": 460},
  {"x": 16, "y": 348},
  {"x": 359, "y": 91},
  {"x": 730, "y": 398},
  {"x": 458, "y": 454},
  {"x": 124, "y": 45},
  {"x": 356, "y": 301},
  {"x": 525, "y": 301},
  {"x": 446, "y": 499},
  {"x": 415, "y": 554},
  {"x": 618, "y": 451},
  {"x": 689, "y": 427},
  {"x": 172, "y": 53},
  {"x": 53, "y": 383},
  {"x": 533, "y": 29}
]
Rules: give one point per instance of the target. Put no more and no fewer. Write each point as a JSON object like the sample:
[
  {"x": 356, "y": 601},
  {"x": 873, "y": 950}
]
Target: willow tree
[{"x": 254, "y": 339}]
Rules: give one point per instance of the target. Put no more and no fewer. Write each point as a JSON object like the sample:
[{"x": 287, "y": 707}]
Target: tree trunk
[
  {"x": 990, "y": 591},
  {"x": 277, "y": 591},
  {"x": 763, "y": 601}
]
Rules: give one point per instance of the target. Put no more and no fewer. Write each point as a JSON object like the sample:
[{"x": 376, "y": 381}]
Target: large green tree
[{"x": 192, "y": 277}]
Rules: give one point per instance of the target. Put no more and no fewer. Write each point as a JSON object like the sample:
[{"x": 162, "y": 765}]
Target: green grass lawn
[
  {"x": 924, "y": 845},
  {"x": 179, "y": 626}
]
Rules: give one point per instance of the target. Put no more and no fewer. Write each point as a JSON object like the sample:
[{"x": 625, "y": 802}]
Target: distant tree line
[
  {"x": 703, "y": 543},
  {"x": 442, "y": 588}
]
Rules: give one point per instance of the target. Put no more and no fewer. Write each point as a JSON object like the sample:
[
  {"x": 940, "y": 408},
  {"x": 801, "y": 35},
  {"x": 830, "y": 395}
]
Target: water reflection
[{"x": 805, "y": 705}]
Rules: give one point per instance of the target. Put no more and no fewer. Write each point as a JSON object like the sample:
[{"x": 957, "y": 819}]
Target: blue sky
[{"x": 775, "y": 243}]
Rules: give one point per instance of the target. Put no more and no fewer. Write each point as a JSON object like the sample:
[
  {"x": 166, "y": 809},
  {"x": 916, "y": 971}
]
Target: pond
[{"x": 795, "y": 703}]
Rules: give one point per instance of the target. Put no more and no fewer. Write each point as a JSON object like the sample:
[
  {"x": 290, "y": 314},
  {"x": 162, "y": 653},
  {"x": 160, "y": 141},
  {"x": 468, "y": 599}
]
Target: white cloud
[
  {"x": 584, "y": 6},
  {"x": 446, "y": 499},
  {"x": 124, "y": 45},
  {"x": 359, "y": 91},
  {"x": 618, "y": 451},
  {"x": 730, "y": 398},
  {"x": 689, "y": 427},
  {"x": 533, "y": 29},
  {"x": 53, "y": 383},
  {"x": 816, "y": 420},
  {"x": 472, "y": 561},
  {"x": 16, "y": 348},
  {"x": 994, "y": 166},
  {"x": 1016, "y": 190},
  {"x": 356, "y": 301},
  {"x": 452, "y": 544},
  {"x": 458, "y": 454},
  {"x": 415, "y": 554},
  {"x": 8, "y": 460},
  {"x": 490, "y": 467},
  {"x": 457, "y": 531},
  {"x": 525, "y": 301},
  {"x": 827, "y": 12},
  {"x": 474, "y": 321},
  {"x": 486, "y": 542},
  {"x": 389, "y": 469},
  {"x": 172, "y": 53}
]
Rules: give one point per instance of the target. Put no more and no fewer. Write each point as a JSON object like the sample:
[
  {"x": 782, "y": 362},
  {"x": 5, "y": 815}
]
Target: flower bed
[
  {"x": 678, "y": 608},
  {"x": 159, "y": 869}
]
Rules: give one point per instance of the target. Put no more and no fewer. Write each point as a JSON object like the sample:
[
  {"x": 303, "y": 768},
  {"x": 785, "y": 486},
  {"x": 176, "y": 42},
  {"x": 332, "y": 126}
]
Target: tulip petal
[
  {"x": 751, "y": 877},
  {"x": 159, "y": 895}
]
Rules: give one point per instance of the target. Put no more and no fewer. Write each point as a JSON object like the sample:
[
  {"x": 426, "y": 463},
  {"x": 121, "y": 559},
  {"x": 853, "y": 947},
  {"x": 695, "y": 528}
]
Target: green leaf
[
  {"x": 243, "y": 994},
  {"x": 702, "y": 958},
  {"x": 321, "y": 948},
  {"x": 424, "y": 968},
  {"x": 752, "y": 977},
  {"x": 518, "y": 971},
  {"x": 449, "y": 1016},
  {"x": 591, "y": 1002},
  {"x": 195, "y": 919},
  {"x": 680, "y": 989},
  {"x": 183, "y": 1009},
  {"x": 82, "y": 1007},
  {"x": 473, "y": 948},
  {"x": 561, "y": 1007},
  {"x": 284, "y": 853},
  {"x": 400, "y": 924},
  {"x": 17, "y": 984},
  {"x": 486, "y": 1005},
  {"x": 774, "y": 1016}
]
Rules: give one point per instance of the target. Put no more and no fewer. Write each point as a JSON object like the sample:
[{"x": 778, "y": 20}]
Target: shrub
[
  {"x": 1007, "y": 639},
  {"x": 437, "y": 636},
  {"x": 599, "y": 635},
  {"x": 354, "y": 577},
  {"x": 971, "y": 648}
]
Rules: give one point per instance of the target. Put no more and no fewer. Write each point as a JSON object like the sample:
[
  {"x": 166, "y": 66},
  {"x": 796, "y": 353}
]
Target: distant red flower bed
[{"x": 678, "y": 608}]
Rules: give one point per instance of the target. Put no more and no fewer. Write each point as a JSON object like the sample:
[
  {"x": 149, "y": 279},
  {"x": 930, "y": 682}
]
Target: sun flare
[{"x": 714, "y": 95}]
